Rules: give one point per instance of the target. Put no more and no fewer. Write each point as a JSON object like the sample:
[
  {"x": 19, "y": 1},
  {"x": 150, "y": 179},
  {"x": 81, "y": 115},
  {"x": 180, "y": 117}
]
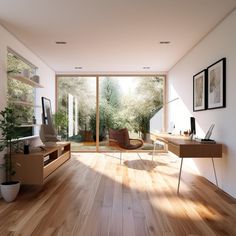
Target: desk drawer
[
  {"x": 174, "y": 149},
  {"x": 196, "y": 150}
]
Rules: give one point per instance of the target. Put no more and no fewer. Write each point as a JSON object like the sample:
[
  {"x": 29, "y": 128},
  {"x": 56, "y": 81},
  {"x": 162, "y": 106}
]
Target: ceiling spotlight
[
  {"x": 164, "y": 42},
  {"x": 78, "y": 67},
  {"x": 146, "y": 67},
  {"x": 61, "y": 42}
]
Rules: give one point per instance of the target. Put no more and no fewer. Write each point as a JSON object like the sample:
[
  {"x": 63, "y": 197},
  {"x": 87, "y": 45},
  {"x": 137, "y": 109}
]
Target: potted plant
[
  {"x": 8, "y": 130},
  {"x": 61, "y": 123}
]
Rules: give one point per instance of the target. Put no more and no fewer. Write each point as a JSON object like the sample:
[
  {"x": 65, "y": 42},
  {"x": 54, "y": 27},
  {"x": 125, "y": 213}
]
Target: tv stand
[{"x": 35, "y": 167}]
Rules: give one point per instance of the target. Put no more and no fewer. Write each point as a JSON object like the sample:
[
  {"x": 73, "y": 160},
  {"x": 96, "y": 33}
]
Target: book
[{"x": 205, "y": 140}]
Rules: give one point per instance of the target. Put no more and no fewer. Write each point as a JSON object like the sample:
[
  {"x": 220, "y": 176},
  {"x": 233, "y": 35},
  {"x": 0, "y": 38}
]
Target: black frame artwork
[
  {"x": 47, "y": 110},
  {"x": 199, "y": 91},
  {"x": 216, "y": 92}
]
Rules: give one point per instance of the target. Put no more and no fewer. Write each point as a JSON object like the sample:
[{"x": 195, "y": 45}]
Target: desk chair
[{"x": 120, "y": 139}]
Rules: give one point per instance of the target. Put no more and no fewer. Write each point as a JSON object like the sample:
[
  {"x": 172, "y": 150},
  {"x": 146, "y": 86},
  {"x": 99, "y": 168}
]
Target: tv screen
[
  {"x": 192, "y": 125},
  {"x": 47, "y": 111}
]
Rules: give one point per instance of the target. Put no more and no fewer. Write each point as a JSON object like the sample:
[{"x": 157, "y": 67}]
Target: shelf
[
  {"x": 55, "y": 163},
  {"x": 28, "y": 137},
  {"x": 24, "y": 103},
  {"x": 29, "y": 125},
  {"x": 25, "y": 80}
]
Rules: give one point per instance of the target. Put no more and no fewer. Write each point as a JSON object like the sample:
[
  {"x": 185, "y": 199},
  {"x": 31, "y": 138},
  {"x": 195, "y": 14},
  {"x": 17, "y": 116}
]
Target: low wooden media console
[{"x": 35, "y": 167}]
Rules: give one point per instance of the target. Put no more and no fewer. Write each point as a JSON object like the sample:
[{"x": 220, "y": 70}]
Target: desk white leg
[
  {"x": 214, "y": 171},
  {"x": 180, "y": 171},
  {"x": 139, "y": 156},
  {"x": 120, "y": 157}
]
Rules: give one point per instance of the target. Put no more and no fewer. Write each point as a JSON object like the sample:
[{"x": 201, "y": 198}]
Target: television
[{"x": 192, "y": 125}]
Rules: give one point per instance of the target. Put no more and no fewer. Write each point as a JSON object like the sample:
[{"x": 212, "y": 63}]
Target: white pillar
[
  {"x": 76, "y": 116},
  {"x": 70, "y": 116}
]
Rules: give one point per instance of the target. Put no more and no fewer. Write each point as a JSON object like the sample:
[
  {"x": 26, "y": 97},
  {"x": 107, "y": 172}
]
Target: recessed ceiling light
[
  {"x": 164, "y": 42},
  {"x": 78, "y": 67},
  {"x": 61, "y": 42},
  {"x": 146, "y": 67}
]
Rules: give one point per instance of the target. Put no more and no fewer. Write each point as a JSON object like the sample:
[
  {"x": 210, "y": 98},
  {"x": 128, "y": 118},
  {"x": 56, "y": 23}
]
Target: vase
[{"x": 10, "y": 190}]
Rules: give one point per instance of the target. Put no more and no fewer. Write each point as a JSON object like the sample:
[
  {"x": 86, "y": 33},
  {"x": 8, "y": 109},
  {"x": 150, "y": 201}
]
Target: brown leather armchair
[{"x": 120, "y": 139}]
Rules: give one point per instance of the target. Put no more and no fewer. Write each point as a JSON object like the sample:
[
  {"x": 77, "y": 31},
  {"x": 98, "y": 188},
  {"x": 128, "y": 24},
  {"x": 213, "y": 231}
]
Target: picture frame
[
  {"x": 199, "y": 91},
  {"x": 216, "y": 92},
  {"x": 47, "y": 111}
]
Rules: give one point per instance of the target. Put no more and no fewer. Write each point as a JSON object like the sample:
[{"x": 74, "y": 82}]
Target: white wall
[
  {"x": 219, "y": 43},
  {"x": 47, "y": 76},
  {"x": 156, "y": 122}
]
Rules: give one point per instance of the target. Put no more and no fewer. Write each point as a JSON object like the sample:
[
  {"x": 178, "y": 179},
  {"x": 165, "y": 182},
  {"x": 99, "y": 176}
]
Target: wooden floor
[{"x": 92, "y": 194}]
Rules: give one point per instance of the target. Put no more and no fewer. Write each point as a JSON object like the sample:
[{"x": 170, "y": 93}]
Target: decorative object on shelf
[
  {"x": 217, "y": 84},
  {"x": 34, "y": 120},
  {"x": 186, "y": 133},
  {"x": 35, "y": 78},
  {"x": 26, "y": 73},
  {"x": 8, "y": 127},
  {"x": 199, "y": 91},
  {"x": 26, "y": 147}
]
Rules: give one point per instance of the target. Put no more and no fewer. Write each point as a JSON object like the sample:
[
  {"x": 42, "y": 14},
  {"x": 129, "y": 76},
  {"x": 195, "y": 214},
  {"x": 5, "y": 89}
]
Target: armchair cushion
[{"x": 121, "y": 137}]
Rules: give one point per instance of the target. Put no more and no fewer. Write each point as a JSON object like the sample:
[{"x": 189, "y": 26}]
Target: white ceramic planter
[
  {"x": 2, "y": 170},
  {"x": 10, "y": 191}
]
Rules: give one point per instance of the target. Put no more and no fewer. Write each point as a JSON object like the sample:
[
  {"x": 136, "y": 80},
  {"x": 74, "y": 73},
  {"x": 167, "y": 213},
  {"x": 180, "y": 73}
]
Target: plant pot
[{"x": 10, "y": 190}]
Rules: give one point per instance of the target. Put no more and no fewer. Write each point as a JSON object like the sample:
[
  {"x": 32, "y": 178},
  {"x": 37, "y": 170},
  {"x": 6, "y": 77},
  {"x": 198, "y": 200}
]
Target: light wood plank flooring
[{"x": 92, "y": 194}]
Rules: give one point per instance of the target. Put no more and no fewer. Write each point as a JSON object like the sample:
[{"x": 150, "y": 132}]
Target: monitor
[{"x": 192, "y": 125}]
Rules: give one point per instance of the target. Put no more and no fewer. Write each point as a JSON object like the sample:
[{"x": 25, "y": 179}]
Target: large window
[
  {"x": 21, "y": 96},
  {"x": 84, "y": 103},
  {"x": 130, "y": 102},
  {"x": 75, "y": 118}
]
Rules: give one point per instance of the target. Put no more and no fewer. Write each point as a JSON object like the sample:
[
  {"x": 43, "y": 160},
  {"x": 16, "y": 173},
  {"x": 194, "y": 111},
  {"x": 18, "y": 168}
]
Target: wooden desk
[{"x": 185, "y": 148}]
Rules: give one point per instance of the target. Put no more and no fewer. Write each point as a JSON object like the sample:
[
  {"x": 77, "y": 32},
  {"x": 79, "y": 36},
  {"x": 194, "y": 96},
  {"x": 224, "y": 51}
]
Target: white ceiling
[{"x": 111, "y": 35}]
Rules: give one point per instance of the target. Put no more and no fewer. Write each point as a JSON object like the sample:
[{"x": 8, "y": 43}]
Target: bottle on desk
[{"x": 26, "y": 147}]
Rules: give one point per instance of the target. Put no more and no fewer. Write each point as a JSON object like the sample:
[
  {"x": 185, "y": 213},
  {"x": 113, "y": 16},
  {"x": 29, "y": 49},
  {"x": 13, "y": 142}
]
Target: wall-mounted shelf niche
[
  {"x": 24, "y": 80},
  {"x": 29, "y": 125},
  {"x": 30, "y": 104}
]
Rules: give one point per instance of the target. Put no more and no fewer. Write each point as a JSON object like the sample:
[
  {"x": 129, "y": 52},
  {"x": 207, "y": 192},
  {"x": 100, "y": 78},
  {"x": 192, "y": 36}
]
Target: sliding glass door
[
  {"x": 132, "y": 102},
  {"x": 75, "y": 118}
]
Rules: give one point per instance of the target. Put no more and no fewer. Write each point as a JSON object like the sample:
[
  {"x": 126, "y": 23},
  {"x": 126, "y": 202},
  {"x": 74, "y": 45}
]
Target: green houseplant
[
  {"x": 61, "y": 123},
  {"x": 8, "y": 130}
]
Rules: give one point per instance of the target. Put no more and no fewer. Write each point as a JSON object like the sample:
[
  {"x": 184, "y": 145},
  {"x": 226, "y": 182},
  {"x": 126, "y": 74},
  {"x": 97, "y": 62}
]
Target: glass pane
[
  {"x": 21, "y": 96},
  {"x": 129, "y": 102},
  {"x": 75, "y": 118}
]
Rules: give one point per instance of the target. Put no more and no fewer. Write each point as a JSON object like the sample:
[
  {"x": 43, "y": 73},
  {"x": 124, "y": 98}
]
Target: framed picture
[
  {"x": 47, "y": 111},
  {"x": 199, "y": 91},
  {"x": 217, "y": 84}
]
